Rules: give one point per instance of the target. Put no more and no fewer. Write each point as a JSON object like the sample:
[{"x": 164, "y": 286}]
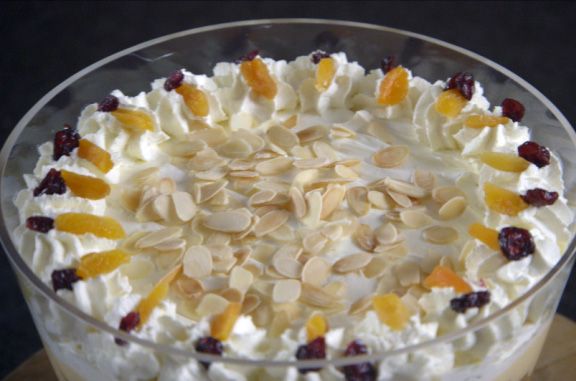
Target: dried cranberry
[
  {"x": 40, "y": 224},
  {"x": 540, "y": 197},
  {"x": 64, "y": 279},
  {"x": 316, "y": 349},
  {"x": 209, "y": 345},
  {"x": 534, "y": 153},
  {"x": 358, "y": 372},
  {"x": 248, "y": 56},
  {"x": 128, "y": 324},
  {"x": 388, "y": 63},
  {"x": 53, "y": 183},
  {"x": 476, "y": 299},
  {"x": 174, "y": 81},
  {"x": 462, "y": 81},
  {"x": 513, "y": 109},
  {"x": 516, "y": 243},
  {"x": 65, "y": 141},
  {"x": 109, "y": 103},
  {"x": 317, "y": 56}
]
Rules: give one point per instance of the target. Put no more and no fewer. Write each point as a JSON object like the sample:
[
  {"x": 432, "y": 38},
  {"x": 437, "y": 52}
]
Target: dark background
[{"x": 42, "y": 44}]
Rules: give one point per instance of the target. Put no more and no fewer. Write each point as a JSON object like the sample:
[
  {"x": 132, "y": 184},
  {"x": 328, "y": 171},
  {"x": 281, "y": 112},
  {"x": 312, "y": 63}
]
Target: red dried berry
[
  {"x": 317, "y": 56},
  {"x": 512, "y": 109},
  {"x": 316, "y": 349},
  {"x": 534, "y": 153},
  {"x": 174, "y": 80},
  {"x": 127, "y": 324},
  {"x": 65, "y": 141},
  {"x": 64, "y": 279},
  {"x": 516, "y": 243},
  {"x": 40, "y": 224},
  {"x": 476, "y": 299},
  {"x": 388, "y": 63},
  {"x": 53, "y": 183},
  {"x": 462, "y": 81},
  {"x": 108, "y": 104},
  {"x": 358, "y": 372},
  {"x": 248, "y": 56},
  {"x": 539, "y": 197},
  {"x": 209, "y": 345}
]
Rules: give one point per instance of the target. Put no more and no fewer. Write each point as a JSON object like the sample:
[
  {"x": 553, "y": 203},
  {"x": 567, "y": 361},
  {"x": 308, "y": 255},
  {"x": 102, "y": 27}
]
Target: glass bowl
[{"x": 64, "y": 328}]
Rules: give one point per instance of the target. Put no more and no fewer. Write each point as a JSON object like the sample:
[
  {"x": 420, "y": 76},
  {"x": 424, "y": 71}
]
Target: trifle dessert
[{"x": 300, "y": 210}]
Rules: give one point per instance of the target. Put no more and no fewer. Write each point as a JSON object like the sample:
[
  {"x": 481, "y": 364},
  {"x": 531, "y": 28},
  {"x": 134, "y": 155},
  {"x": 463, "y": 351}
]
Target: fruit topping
[
  {"x": 174, "y": 80},
  {"x": 222, "y": 324},
  {"x": 195, "y": 99},
  {"x": 534, "y": 153},
  {"x": 463, "y": 82},
  {"x": 513, "y": 109},
  {"x": 82, "y": 223},
  {"x": 155, "y": 297},
  {"x": 443, "y": 276},
  {"x": 391, "y": 311},
  {"x": 94, "y": 264},
  {"x": 96, "y": 155},
  {"x": 134, "y": 119},
  {"x": 249, "y": 56},
  {"x": 393, "y": 87},
  {"x": 481, "y": 121},
  {"x": 318, "y": 55},
  {"x": 65, "y": 141},
  {"x": 325, "y": 72},
  {"x": 504, "y": 161},
  {"x": 128, "y": 324},
  {"x": 502, "y": 200},
  {"x": 64, "y": 279},
  {"x": 88, "y": 187},
  {"x": 476, "y": 299},
  {"x": 540, "y": 197},
  {"x": 211, "y": 346},
  {"x": 40, "y": 224},
  {"x": 256, "y": 75},
  {"x": 316, "y": 326},
  {"x": 450, "y": 103},
  {"x": 516, "y": 243},
  {"x": 52, "y": 183},
  {"x": 486, "y": 235},
  {"x": 388, "y": 63},
  {"x": 314, "y": 350},
  {"x": 358, "y": 372},
  {"x": 108, "y": 104}
]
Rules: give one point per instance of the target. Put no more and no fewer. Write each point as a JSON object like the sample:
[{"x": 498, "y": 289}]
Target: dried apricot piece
[
  {"x": 450, "y": 103},
  {"x": 488, "y": 236},
  {"x": 82, "y": 223},
  {"x": 155, "y": 297},
  {"x": 194, "y": 98},
  {"x": 481, "y": 121},
  {"x": 394, "y": 87},
  {"x": 96, "y": 155},
  {"x": 256, "y": 75},
  {"x": 94, "y": 264},
  {"x": 316, "y": 326},
  {"x": 134, "y": 119},
  {"x": 391, "y": 311},
  {"x": 443, "y": 276},
  {"x": 504, "y": 161},
  {"x": 222, "y": 324},
  {"x": 88, "y": 187},
  {"x": 325, "y": 73},
  {"x": 502, "y": 200}
]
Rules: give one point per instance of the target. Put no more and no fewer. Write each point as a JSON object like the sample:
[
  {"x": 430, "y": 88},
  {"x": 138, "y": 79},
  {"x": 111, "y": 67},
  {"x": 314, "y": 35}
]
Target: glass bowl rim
[{"x": 22, "y": 267}]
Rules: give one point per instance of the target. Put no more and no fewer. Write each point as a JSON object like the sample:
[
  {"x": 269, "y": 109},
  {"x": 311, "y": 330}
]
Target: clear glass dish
[{"x": 514, "y": 350}]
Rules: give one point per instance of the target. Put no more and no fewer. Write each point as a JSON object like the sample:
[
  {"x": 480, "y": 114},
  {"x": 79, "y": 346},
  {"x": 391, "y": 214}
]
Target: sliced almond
[
  {"x": 415, "y": 218},
  {"x": 162, "y": 207},
  {"x": 284, "y": 233},
  {"x": 255, "y": 141},
  {"x": 314, "y": 243},
  {"x": 386, "y": 234},
  {"x": 206, "y": 160},
  {"x": 251, "y": 302},
  {"x": 360, "y": 306},
  {"x": 232, "y": 295},
  {"x": 391, "y": 157},
  {"x": 302, "y": 152},
  {"x": 408, "y": 273},
  {"x": 313, "y": 133},
  {"x": 298, "y": 202},
  {"x": 444, "y": 194},
  {"x": 240, "y": 279},
  {"x": 289, "y": 250},
  {"x": 211, "y": 304},
  {"x": 323, "y": 149},
  {"x": 203, "y": 191},
  {"x": 197, "y": 262},
  {"x": 288, "y": 267},
  {"x": 317, "y": 297},
  {"x": 331, "y": 200},
  {"x": 228, "y": 221},
  {"x": 357, "y": 198},
  {"x": 156, "y": 237},
  {"x": 316, "y": 271},
  {"x": 401, "y": 199},
  {"x": 274, "y": 166},
  {"x": 270, "y": 222},
  {"x": 241, "y": 121},
  {"x": 353, "y": 262},
  {"x": 332, "y": 231},
  {"x": 364, "y": 237},
  {"x": 251, "y": 175},
  {"x": 275, "y": 186},
  {"x": 440, "y": 235},
  {"x": 262, "y": 315},
  {"x": 167, "y": 185},
  {"x": 148, "y": 176},
  {"x": 380, "y": 131},
  {"x": 211, "y": 174},
  {"x": 183, "y": 205},
  {"x": 217, "y": 238},
  {"x": 378, "y": 199},
  {"x": 224, "y": 265},
  {"x": 305, "y": 177},
  {"x": 345, "y": 172},
  {"x": 376, "y": 268},
  {"x": 286, "y": 291},
  {"x": 404, "y": 188},
  {"x": 314, "y": 206},
  {"x": 424, "y": 179},
  {"x": 189, "y": 287},
  {"x": 291, "y": 122},
  {"x": 242, "y": 255},
  {"x": 453, "y": 208},
  {"x": 280, "y": 323},
  {"x": 317, "y": 162},
  {"x": 211, "y": 136},
  {"x": 338, "y": 131},
  {"x": 241, "y": 165},
  {"x": 235, "y": 149},
  {"x": 261, "y": 197},
  {"x": 282, "y": 137}
]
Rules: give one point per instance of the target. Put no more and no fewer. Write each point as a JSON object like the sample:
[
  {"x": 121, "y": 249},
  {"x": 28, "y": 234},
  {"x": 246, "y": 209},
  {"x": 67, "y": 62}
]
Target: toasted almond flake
[
  {"x": 404, "y": 188},
  {"x": 206, "y": 160},
  {"x": 408, "y": 273},
  {"x": 235, "y": 149},
  {"x": 345, "y": 172},
  {"x": 183, "y": 205},
  {"x": 228, "y": 221},
  {"x": 314, "y": 204},
  {"x": 331, "y": 200},
  {"x": 380, "y": 131},
  {"x": 364, "y": 237},
  {"x": 361, "y": 306},
  {"x": 323, "y": 149},
  {"x": 401, "y": 199},
  {"x": 391, "y": 157},
  {"x": 317, "y": 162},
  {"x": 317, "y": 297},
  {"x": 298, "y": 202},
  {"x": 251, "y": 302},
  {"x": 313, "y": 133},
  {"x": 351, "y": 263},
  {"x": 286, "y": 291},
  {"x": 211, "y": 174},
  {"x": 211, "y": 136},
  {"x": 197, "y": 262},
  {"x": 166, "y": 185},
  {"x": 440, "y": 235},
  {"x": 378, "y": 199},
  {"x": 274, "y": 166},
  {"x": 224, "y": 265},
  {"x": 240, "y": 279},
  {"x": 376, "y": 267},
  {"x": 287, "y": 267},
  {"x": 444, "y": 194},
  {"x": 302, "y": 152},
  {"x": 415, "y": 218},
  {"x": 241, "y": 165},
  {"x": 270, "y": 222},
  {"x": 338, "y": 131},
  {"x": 189, "y": 287},
  {"x": 357, "y": 198},
  {"x": 316, "y": 271},
  {"x": 424, "y": 179},
  {"x": 211, "y": 304},
  {"x": 386, "y": 234},
  {"x": 333, "y": 231},
  {"x": 314, "y": 243},
  {"x": 232, "y": 295},
  {"x": 282, "y": 137},
  {"x": 453, "y": 208},
  {"x": 156, "y": 237},
  {"x": 283, "y": 234}
]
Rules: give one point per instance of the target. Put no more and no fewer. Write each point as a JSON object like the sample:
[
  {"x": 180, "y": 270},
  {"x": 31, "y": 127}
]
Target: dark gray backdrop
[{"x": 44, "y": 43}]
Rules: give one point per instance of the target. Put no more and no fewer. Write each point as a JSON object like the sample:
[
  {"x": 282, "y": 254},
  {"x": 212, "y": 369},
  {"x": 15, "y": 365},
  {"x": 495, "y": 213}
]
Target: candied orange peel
[
  {"x": 316, "y": 326},
  {"x": 394, "y": 87},
  {"x": 88, "y": 187},
  {"x": 325, "y": 72},
  {"x": 83, "y": 223},
  {"x": 391, "y": 311},
  {"x": 450, "y": 103},
  {"x": 133, "y": 119},
  {"x": 96, "y": 155},
  {"x": 443, "y": 276},
  {"x": 481, "y": 121},
  {"x": 194, "y": 98},
  {"x": 94, "y": 264},
  {"x": 502, "y": 200},
  {"x": 486, "y": 235},
  {"x": 504, "y": 161},
  {"x": 157, "y": 295},
  {"x": 222, "y": 324},
  {"x": 257, "y": 76}
]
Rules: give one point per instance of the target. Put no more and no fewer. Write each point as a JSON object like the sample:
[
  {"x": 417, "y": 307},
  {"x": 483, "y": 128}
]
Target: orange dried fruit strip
[
  {"x": 316, "y": 326},
  {"x": 222, "y": 324},
  {"x": 450, "y": 103},
  {"x": 393, "y": 87},
  {"x": 94, "y": 264},
  {"x": 88, "y": 187},
  {"x": 96, "y": 155},
  {"x": 481, "y": 121},
  {"x": 391, "y": 311},
  {"x": 486, "y": 235},
  {"x": 256, "y": 75},
  {"x": 82, "y": 223},
  {"x": 134, "y": 119},
  {"x": 157, "y": 295},
  {"x": 325, "y": 72},
  {"x": 443, "y": 276},
  {"x": 194, "y": 98},
  {"x": 502, "y": 200},
  {"x": 504, "y": 161}
]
